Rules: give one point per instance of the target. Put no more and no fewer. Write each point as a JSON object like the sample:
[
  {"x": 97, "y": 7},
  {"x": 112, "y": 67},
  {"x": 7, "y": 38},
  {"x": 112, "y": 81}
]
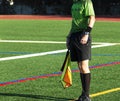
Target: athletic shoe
[{"x": 83, "y": 98}]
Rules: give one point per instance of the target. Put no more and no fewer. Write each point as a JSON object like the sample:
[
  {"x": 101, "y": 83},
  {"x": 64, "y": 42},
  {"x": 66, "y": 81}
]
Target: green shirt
[{"x": 81, "y": 10}]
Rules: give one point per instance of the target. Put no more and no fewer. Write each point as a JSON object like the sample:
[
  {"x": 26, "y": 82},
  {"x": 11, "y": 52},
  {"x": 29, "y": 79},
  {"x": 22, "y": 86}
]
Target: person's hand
[{"x": 84, "y": 39}]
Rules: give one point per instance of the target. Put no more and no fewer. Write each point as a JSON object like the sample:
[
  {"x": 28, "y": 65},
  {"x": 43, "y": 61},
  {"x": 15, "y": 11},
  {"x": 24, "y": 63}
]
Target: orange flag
[{"x": 66, "y": 77}]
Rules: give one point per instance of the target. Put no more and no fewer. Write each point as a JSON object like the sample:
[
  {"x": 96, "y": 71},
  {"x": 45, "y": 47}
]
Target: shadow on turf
[{"x": 42, "y": 97}]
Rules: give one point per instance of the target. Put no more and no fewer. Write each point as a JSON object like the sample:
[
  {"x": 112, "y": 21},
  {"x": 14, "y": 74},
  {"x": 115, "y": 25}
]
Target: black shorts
[{"x": 78, "y": 51}]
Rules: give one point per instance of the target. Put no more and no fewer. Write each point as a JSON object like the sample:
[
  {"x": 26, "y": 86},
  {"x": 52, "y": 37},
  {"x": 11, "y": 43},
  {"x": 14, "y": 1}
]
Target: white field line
[
  {"x": 46, "y": 53},
  {"x": 32, "y": 55},
  {"x": 50, "y": 42},
  {"x": 103, "y": 45},
  {"x": 27, "y": 41}
]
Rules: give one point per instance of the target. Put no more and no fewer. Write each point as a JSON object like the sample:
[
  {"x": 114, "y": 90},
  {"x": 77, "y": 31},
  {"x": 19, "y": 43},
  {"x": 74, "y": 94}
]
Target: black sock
[
  {"x": 85, "y": 80},
  {"x": 82, "y": 82}
]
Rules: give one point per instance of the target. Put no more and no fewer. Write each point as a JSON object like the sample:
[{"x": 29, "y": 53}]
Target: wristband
[{"x": 88, "y": 30}]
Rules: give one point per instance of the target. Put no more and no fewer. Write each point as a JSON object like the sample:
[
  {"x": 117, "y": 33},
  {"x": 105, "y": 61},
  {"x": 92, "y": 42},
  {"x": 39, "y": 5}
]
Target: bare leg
[{"x": 85, "y": 76}]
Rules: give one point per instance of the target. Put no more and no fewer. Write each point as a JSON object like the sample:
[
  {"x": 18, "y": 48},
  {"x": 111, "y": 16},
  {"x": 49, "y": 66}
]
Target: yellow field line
[{"x": 105, "y": 92}]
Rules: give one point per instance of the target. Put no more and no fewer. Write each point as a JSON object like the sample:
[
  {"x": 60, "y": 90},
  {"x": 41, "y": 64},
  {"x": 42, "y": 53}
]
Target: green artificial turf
[{"x": 50, "y": 88}]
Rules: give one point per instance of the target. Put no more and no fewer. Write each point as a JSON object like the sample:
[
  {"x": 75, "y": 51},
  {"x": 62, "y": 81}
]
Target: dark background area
[{"x": 56, "y": 7}]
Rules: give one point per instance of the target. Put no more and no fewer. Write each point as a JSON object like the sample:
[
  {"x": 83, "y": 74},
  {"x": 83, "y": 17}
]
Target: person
[{"x": 79, "y": 41}]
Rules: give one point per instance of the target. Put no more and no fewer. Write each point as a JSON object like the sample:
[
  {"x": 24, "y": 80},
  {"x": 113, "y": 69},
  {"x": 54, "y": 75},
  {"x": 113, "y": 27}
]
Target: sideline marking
[
  {"x": 102, "y": 93},
  {"x": 105, "y": 92},
  {"x": 47, "y": 53}
]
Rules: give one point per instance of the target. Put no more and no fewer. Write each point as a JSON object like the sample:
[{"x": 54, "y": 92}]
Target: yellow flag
[{"x": 66, "y": 77}]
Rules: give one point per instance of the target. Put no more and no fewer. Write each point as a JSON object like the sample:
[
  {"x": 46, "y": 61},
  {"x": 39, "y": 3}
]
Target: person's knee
[
  {"x": 84, "y": 67},
  {"x": 85, "y": 70}
]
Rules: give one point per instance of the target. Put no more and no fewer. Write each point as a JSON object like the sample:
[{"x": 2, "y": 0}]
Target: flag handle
[{"x": 62, "y": 68}]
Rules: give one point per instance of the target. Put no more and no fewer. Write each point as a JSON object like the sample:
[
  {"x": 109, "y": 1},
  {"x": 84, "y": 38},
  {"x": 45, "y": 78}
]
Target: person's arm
[
  {"x": 88, "y": 30},
  {"x": 91, "y": 21}
]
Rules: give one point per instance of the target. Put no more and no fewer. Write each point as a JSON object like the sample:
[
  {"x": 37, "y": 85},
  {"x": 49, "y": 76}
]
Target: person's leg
[
  {"x": 85, "y": 76},
  {"x": 84, "y": 66}
]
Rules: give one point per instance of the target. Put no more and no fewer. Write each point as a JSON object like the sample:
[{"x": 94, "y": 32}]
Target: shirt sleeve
[{"x": 89, "y": 10}]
